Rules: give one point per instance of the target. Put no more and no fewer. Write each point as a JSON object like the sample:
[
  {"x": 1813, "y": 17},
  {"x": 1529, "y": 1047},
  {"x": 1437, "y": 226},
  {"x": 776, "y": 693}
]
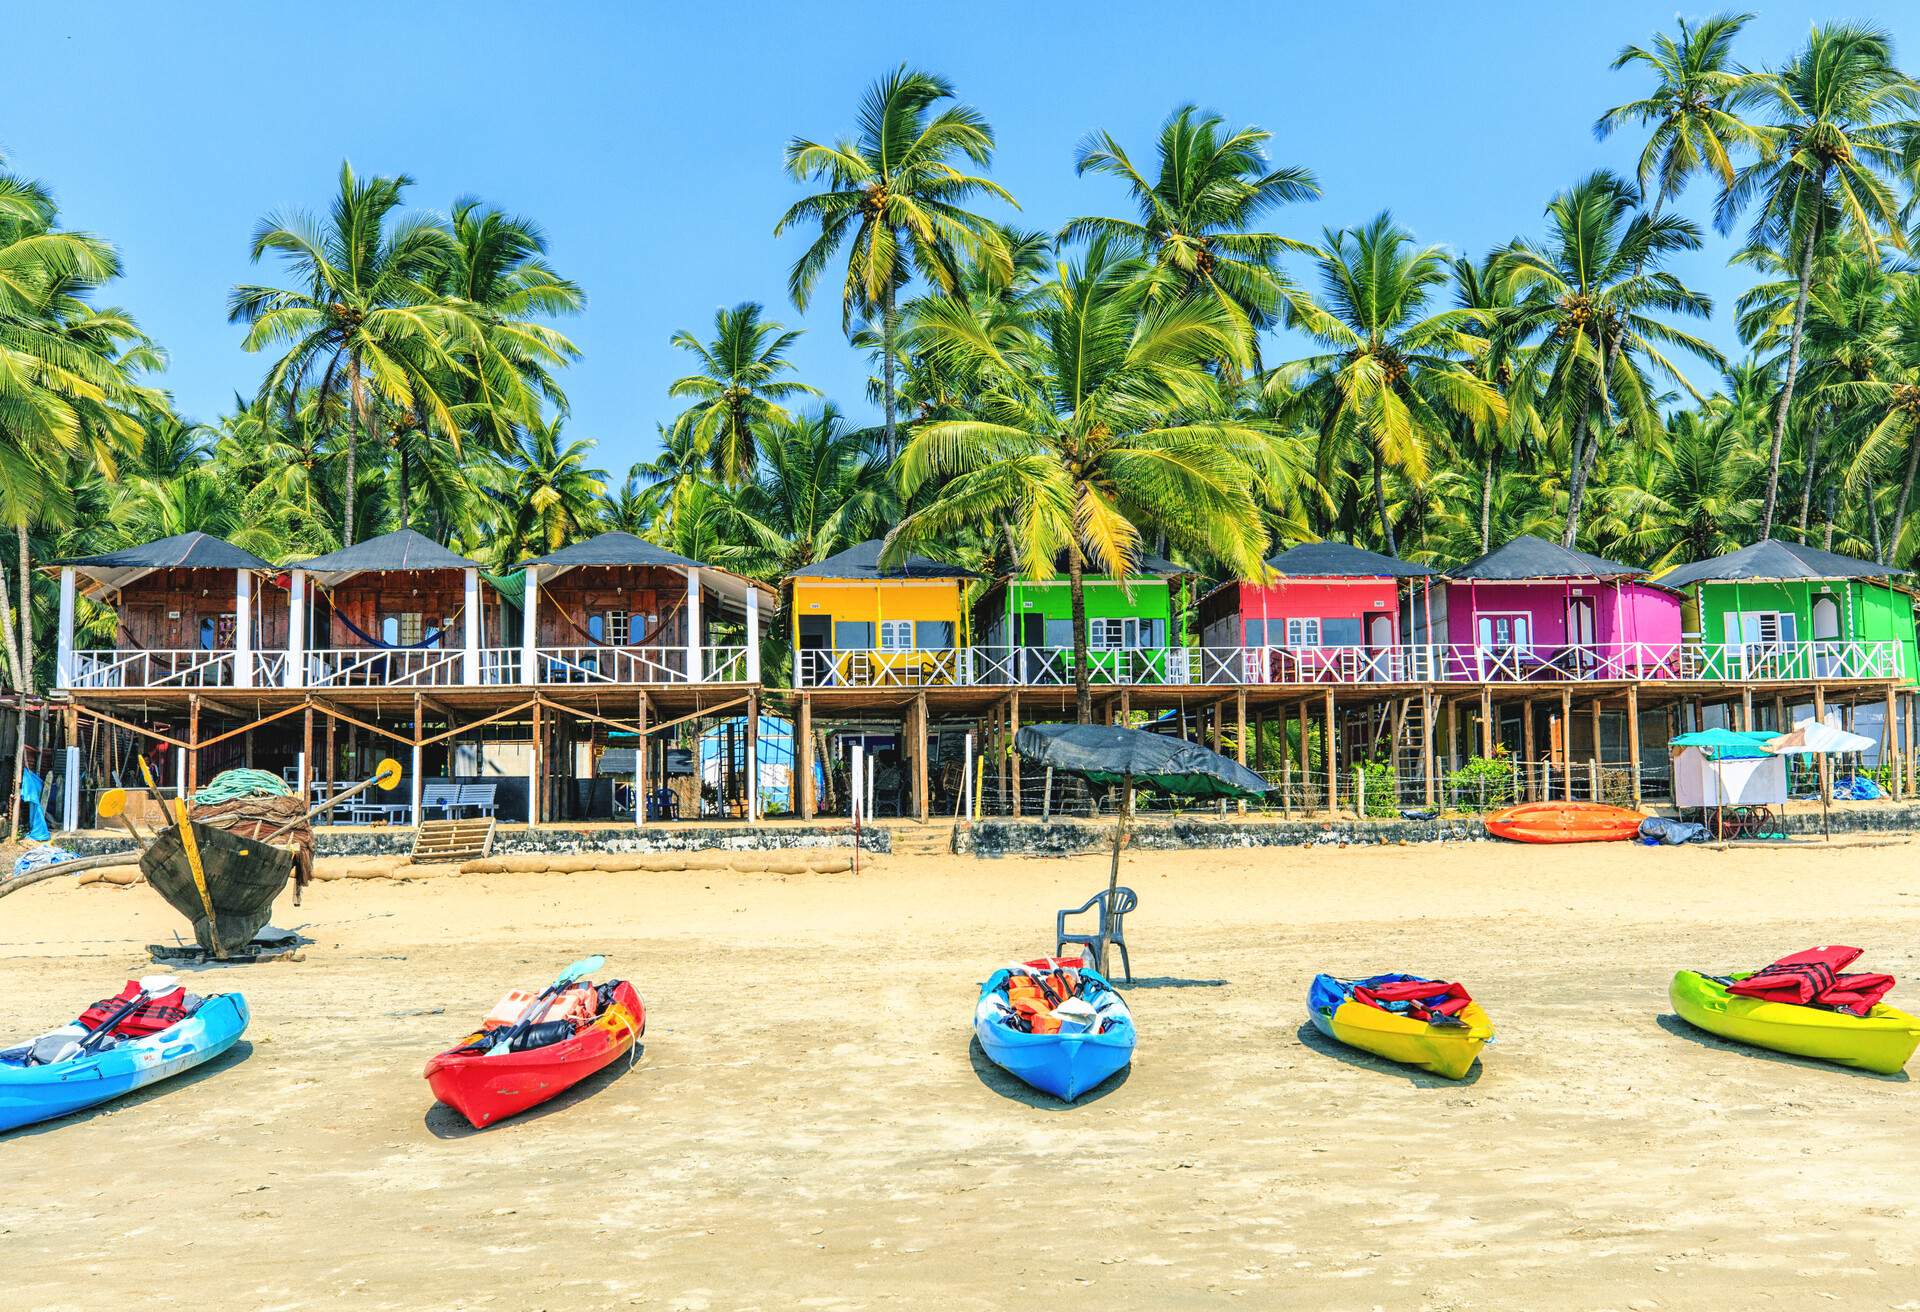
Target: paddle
[
  {"x": 386, "y": 777},
  {"x": 113, "y": 806},
  {"x": 584, "y": 966},
  {"x": 150, "y": 985}
]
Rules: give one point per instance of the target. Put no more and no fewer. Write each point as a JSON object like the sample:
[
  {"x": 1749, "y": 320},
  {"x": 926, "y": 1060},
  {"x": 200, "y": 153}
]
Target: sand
[{"x": 810, "y": 1125}]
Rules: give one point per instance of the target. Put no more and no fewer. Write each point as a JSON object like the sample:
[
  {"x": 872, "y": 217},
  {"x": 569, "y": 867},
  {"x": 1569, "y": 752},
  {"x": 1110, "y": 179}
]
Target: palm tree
[
  {"x": 1842, "y": 115},
  {"x": 1102, "y": 423},
  {"x": 1507, "y": 368},
  {"x": 895, "y": 199},
  {"x": 738, "y": 387},
  {"x": 1589, "y": 296},
  {"x": 1689, "y": 494},
  {"x": 551, "y": 494},
  {"x": 1393, "y": 378},
  {"x": 821, "y": 490},
  {"x": 1881, "y": 408},
  {"x": 363, "y": 319},
  {"x": 662, "y": 484},
  {"x": 1693, "y": 109},
  {"x": 1211, "y": 186}
]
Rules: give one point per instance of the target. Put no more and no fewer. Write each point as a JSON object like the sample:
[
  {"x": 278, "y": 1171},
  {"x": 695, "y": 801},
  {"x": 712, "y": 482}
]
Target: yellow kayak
[
  {"x": 1448, "y": 1050},
  {"x": 1882, "y": 1040}
]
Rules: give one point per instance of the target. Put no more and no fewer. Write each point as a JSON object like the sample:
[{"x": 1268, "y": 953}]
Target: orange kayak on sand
[{"x": 1565, "y": 822}]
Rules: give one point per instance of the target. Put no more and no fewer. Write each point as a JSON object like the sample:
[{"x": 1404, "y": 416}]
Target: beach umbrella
[
  {"x": 1108, "y": 756},
  {"x": 1818, "y": 738}
]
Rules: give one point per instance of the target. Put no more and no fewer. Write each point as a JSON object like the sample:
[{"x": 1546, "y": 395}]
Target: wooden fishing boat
[
  {"x": 1565, "y": 822},
  {"x": 243, "y": 877},
  {"x": 1056, "y": 1050},
  {"x": 489, "y": 1086}
]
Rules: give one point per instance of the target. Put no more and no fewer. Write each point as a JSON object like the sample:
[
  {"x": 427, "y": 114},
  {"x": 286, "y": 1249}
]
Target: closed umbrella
[
  {"x": 1818, "y": 738},
  {"x": 1105, "y": 755}
]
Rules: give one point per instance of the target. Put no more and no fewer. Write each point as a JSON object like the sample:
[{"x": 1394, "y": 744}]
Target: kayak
[
  {"x": 1883, "y": 1040},
  {"x": 42, "y": 1092},
  {"x": 1444, "y": 1048},
  {"x": 1074, "y": 1045},
  {"x": 1565, "y": 822},
  {"x": 486, "y": 1087}
]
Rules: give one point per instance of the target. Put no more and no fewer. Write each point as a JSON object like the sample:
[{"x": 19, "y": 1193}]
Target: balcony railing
[
  {"x": 872, "y": 668},
  {"x": 188, "y": 668},
  {"x": 385, "y": 667}
]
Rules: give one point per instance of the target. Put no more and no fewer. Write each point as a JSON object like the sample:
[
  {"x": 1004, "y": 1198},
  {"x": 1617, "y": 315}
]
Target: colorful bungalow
[
  {"x": 857, "y": 623},
  {"x": 398, "y": 610},
  {"x": 1138, "y": 629},
  {"x": 619, "y": 609},
  {"x": 1534, "y": 609},
  {"x": 1781, "y": 610},
  {"x": 190, "y": 611},
  {"x": 1331, "y": 613}
]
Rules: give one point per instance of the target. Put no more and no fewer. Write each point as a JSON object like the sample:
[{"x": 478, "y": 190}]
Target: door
[
  {"x": 1380, "y": 663},
  {"x": 816, "y": 639},
  {"x": 1580, "y": 630},
  {"x": 1827, "y": 656}
]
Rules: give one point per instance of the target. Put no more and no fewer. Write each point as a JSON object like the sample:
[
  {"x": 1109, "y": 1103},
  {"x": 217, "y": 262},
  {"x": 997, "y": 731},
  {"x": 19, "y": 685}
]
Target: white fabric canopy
[{"x": 1817, "y": 738}]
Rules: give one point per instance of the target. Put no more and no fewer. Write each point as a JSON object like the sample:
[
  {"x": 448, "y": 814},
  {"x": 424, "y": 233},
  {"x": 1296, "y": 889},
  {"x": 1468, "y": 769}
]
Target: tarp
[
  {"x": 863, "y": 562},
  {"x": 1817, "y": 738},
  {"x": 1106, "y": 755},
  {"x": 116, "y": 569},
  {"x": 1725, "y": 744},
  {"x": 1698, "y": 780},
  {"x": 1529, "y": 557},
  {"x": 1338, "y": 560},
  {"x": 1770, "y": 560}
]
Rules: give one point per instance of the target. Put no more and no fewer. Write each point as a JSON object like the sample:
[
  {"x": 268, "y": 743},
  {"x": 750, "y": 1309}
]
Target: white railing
[
  {"x": 169, "y": 668},
  {"x": 723, "y": 665},
  {"x": 385, "y": 667},
  {"x": 872, "y": 668},
  {"x": 604, "y": 664},
  {"x": 500, "y": 665}
]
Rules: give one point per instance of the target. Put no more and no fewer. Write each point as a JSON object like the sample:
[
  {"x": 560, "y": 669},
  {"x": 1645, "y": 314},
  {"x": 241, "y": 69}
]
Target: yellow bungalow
[{"x": 856, "y": 624}]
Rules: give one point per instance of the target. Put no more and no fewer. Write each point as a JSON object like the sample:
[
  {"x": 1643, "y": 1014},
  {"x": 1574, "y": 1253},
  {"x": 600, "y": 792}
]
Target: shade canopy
[
  {"x": 1772, "y": 561},
  {"x": 1724, "y": 744},
  {"x": 1333, "y": 560},
  {"x": 1529, "y": 557},
  {"x": 1104, "y": 754},
  {"x": 387, "y": 554},
  {"x": 116, "y": 569},
  {"x": 1817, "y": 738},
  {"x": 863, "y": 562}
]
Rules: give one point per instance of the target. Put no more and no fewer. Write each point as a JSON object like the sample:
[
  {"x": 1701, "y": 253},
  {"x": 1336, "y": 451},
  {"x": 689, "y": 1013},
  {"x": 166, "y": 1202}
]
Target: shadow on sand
[
  {"x": 1679, "y": 1028},
  {"x": 1171, "y": 982},
  {"x": 233, "y": 1056},
  {"x": 443, "y": 1122},
  {"x": 1014, "y": 1089},
  {"x": 1366, "y": 1061}
]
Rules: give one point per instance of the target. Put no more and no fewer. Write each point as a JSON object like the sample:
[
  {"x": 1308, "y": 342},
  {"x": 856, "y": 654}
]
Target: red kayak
[
  {"x": 1565, "y": 822},
  {"x": 486, "y": 1088}
]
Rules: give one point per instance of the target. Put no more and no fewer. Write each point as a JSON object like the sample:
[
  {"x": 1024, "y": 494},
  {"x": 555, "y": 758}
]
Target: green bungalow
[
  {"x": 1781, "y": 610},
  {"x": 1025, "y": 627}
]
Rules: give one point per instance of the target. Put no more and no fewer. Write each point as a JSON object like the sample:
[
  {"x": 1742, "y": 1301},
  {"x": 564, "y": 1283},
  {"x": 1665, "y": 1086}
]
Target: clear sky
[{"x": 647, "y": 138}]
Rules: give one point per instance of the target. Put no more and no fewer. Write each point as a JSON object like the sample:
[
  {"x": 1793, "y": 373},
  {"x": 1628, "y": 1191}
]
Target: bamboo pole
[{"x": 1633, "y": 738}]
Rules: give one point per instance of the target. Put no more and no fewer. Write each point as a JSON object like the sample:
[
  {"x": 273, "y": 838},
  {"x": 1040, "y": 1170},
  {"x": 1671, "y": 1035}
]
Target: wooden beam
[
  {"x": 1486, "y": 721},
  {"x": 1566, "y": 742},
  {"x": 1527, "y": 749},
  {"x": 457, "y": 730},
  {"x": 193, "y": 736},
  {"x": 118, "y": 723},
  {"x": 1428, "y": 700},
  {"x": 1240, "y": 744},
  {"x": 1633, "y": 738},
  {"x": 921, "y": 803},
  {"x": 336, "y": 714},
  {"x": 307, "y": 775},
  {"x": 641, "y": 750},
  {"x": 1013, "y": 749},
  {"x": 1890, "y": 739},
  {"x": 537, "y": 787},
  {"x": 803, "y": 755},
  {"x": 1746, "y": 708},
  {"x": 295, "y": 709},
  {"x": 1333, "y": 755}
]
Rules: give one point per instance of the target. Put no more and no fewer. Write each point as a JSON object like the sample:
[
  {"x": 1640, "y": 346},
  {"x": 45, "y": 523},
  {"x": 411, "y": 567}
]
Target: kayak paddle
[
  {"x": 582, "y": 967},
  {"x": 150, "y": 986}
]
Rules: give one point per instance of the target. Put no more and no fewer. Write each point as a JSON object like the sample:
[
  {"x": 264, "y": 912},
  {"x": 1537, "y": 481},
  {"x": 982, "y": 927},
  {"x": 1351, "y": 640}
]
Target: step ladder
[
  {"x": 1409, "y": 752},
  {"x": 453, "y": 840}
]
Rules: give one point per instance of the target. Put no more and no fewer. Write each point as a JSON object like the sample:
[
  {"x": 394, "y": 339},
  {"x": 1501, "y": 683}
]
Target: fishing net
[
  {"x": 230, "y": 784},
  {"x": 257, "y": 815}
]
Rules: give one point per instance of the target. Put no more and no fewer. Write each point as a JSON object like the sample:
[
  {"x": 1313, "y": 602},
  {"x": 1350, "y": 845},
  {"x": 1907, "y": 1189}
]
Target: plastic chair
[{"x": 1114, "y": 905}]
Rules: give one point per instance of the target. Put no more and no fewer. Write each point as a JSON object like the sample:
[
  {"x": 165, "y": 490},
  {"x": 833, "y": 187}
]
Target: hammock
[
  {"x": 651, "y": 640},
  {"x": 428, "y": 640}
]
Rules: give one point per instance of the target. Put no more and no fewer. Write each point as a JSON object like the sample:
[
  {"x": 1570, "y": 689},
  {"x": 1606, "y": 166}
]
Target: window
[
  {"x": 1340, "y": 632},
  {"x": 1059, "y": 635},
  {"x": 597, "y": 627},
  {"x": 1761, "y": 628},
  {"x": 1506, "y": 631},
  {"x": 933, "y": 635},
  {"x": 1256, "y": 633},
  {"x": 852, "y": 635},
  {"x": 617, "y": 627},
  {"x": 896, "y": 635},
  {"x": 1106, "y": 635},
  {"x": 390, "y": 630},
  {"x": 206, "y": 634},
  {"x": 1303, "y": 632}
]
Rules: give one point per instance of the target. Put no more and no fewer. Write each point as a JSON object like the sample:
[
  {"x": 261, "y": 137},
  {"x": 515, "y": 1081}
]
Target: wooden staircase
[
  {"x": 932, "y": 839},
  {"x": 453, "y": 840}
]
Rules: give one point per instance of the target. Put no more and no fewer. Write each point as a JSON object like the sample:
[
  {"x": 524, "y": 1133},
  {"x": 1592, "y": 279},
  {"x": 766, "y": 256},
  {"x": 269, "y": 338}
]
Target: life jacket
[
  {"x": 1420, "y": 999},
  {"x": 1813, "y": 978},
  {"x": 578, "y": 1004},
  {"x": 162, "y": 1011},
  {"x": 1034, "y": 996}
]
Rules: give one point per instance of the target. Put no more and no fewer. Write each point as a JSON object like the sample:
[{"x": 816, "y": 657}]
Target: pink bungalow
[
  {"x": 1331, "y": 614},
  {"x": 1536, "y": 610}
]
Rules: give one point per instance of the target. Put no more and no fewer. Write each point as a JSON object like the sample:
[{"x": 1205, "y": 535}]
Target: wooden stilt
[
  {"x": 1566, "y": 742},
  {"x": 1286, "y": 765},
  {"x": 1240, "y": 742},
  {"x": 642, "y": 781},
  {"x": 1486, "y": 721},
  {"x": 1780, "y": 724},
  {"x": 1746, "y": 711},
  {"x": 920, "y": 802},
  {"x": 536, "y": 792},
  {"x": 331, "y": 755},
  {"x": 1013, "y": 753},
  {"x": 804, "y": 748},
  {"x": 1428, "y": 707},
  {"x": 193, "y": 736},
  {"x": 1332, "y": 755},
  {"x": 1527, "y": 749},
  {"x": 1633, "y": 738},
  {"x": 1890, "y": 740}
]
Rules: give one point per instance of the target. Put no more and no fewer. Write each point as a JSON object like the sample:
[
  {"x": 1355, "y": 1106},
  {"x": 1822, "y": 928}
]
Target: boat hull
[
  {"x": 1882, "y": 1041},
  {"x": 487, "y": 1089},
  {"x": 1445, "y": 1050},
  {"x": 1564, "y": 822},
  {"x": 38, "y": 1093},
  {"x": 244, "y": 876},
  {"x": 1063, "y": 1065}
]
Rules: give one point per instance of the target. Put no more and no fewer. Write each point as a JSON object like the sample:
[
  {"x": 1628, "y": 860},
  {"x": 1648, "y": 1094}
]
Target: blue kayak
[
  {"x": 39, "y": 1093},
  {"x": 1094, "y": 1036}
]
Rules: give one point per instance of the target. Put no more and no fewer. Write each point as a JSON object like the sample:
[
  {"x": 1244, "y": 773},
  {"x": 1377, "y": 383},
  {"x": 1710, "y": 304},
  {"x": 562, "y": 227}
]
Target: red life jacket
[
  {"x": 1425, "y": 998},
  {"x": 1813, "y": 978},
  {"x": 157, "y": 1013}
]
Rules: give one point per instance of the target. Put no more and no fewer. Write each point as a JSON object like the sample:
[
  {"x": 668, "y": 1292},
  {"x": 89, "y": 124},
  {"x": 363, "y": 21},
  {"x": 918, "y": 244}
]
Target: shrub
[{"x": 1482, "y": 784}]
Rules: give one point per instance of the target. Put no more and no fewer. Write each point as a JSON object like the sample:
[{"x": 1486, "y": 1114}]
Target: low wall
[{"x": 345, "y": 841}]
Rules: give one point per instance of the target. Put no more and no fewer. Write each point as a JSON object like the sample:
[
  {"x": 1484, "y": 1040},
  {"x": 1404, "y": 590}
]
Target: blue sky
[{"x": 647, "y": 139}]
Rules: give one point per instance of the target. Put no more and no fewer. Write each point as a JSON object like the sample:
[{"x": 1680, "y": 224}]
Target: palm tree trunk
[
  {"x": 1576, "y": 482},
  {"x": 23, "y": 678},
  {"x": 1806, "y": 479},
  {"x": 359, "y": 424},
  {"x": 1077, "y": 593},
  {"x": 6, "y": 630},
  {"x": 1873, "y": 525},
  {"x": 889, "y": 325},
  {"x": 1828, "y": 544},
  {"x": 1380, "y": 502},
  {"x": 1786, "y": 388},
  {"x": 1906, "y": 496},
  {"x": 406, "y": 492},
  {"x": 1486, "y": 505}
]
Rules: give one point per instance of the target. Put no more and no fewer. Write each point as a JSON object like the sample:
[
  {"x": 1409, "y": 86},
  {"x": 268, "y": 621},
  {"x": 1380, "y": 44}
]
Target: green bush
[
  {"x": 1483, "y": 783},
  {"x": 1382, "y": 788}
]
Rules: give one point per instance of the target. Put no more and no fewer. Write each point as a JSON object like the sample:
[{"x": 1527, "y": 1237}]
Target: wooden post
[
  {"x": 803, "y": 753},
  {"x": 1451, "y": 710},
  {"x": 1890, "y": 740},
  {"x": 1000, "y": 753},
  {"x": 1527, "y": 747},
  {"x": 537, "y": 773},
  {"x": 1333, "y": 756},
  {"x": 1820, "y": 714},
  {"x": 753, "y": 757},
  {"x": 1596, "y": 732},
  {"x": 1633, "y": 738},
  {"x": 1746, "y": 709},
  {"x": 1566, "y": 742},
  {"x": 306, "y": 757},
  {"x": 1429, "y": 704},
  {"x": 193, "y": 738},
  {"x": 1013, "y": 752},
  {"x": 419, "y": 732},
  {"x": 1913, "y": 780},
  {"x": 640, "y": 762},
  {"x": 920, "y": 804},
  {"x": 1780, "y": 724},
  {"x": 331, "y": 725},
  {"x": 1286, "y": 765},
  {"x": 1486, "y": 721},
  {"x": 1240, "y": 744}
]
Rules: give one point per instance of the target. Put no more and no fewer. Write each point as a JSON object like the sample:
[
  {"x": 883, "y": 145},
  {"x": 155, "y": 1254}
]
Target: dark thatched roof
[
  {"x": 402, "y": 550},
  {"x": 1769, "y": 559},
  {"x": 863, "y": 562},
  {"x": 1528, "y": 557},
  {"x": 615, "y": 548},
  {"x": 1337, "y": 560}
]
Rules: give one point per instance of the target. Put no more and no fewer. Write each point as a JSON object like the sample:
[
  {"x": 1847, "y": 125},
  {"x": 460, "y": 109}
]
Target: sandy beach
[{"x": 810, "y": 1125}]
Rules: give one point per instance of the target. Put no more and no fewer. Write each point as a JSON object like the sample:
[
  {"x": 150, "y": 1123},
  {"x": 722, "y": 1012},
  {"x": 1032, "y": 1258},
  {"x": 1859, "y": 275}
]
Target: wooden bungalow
[
  {"x": 1138, "y": 628},
  {"x": 858, "y": 624},
  {"x": 189, "y": 611},
  {"x": 1537, "y": 610},
  {"x": 1782, "y": 610},
  {"x": 1331, "y": 613},
  {"x": 395, "y": 611},
  {"x": 619, "y": 609}
]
